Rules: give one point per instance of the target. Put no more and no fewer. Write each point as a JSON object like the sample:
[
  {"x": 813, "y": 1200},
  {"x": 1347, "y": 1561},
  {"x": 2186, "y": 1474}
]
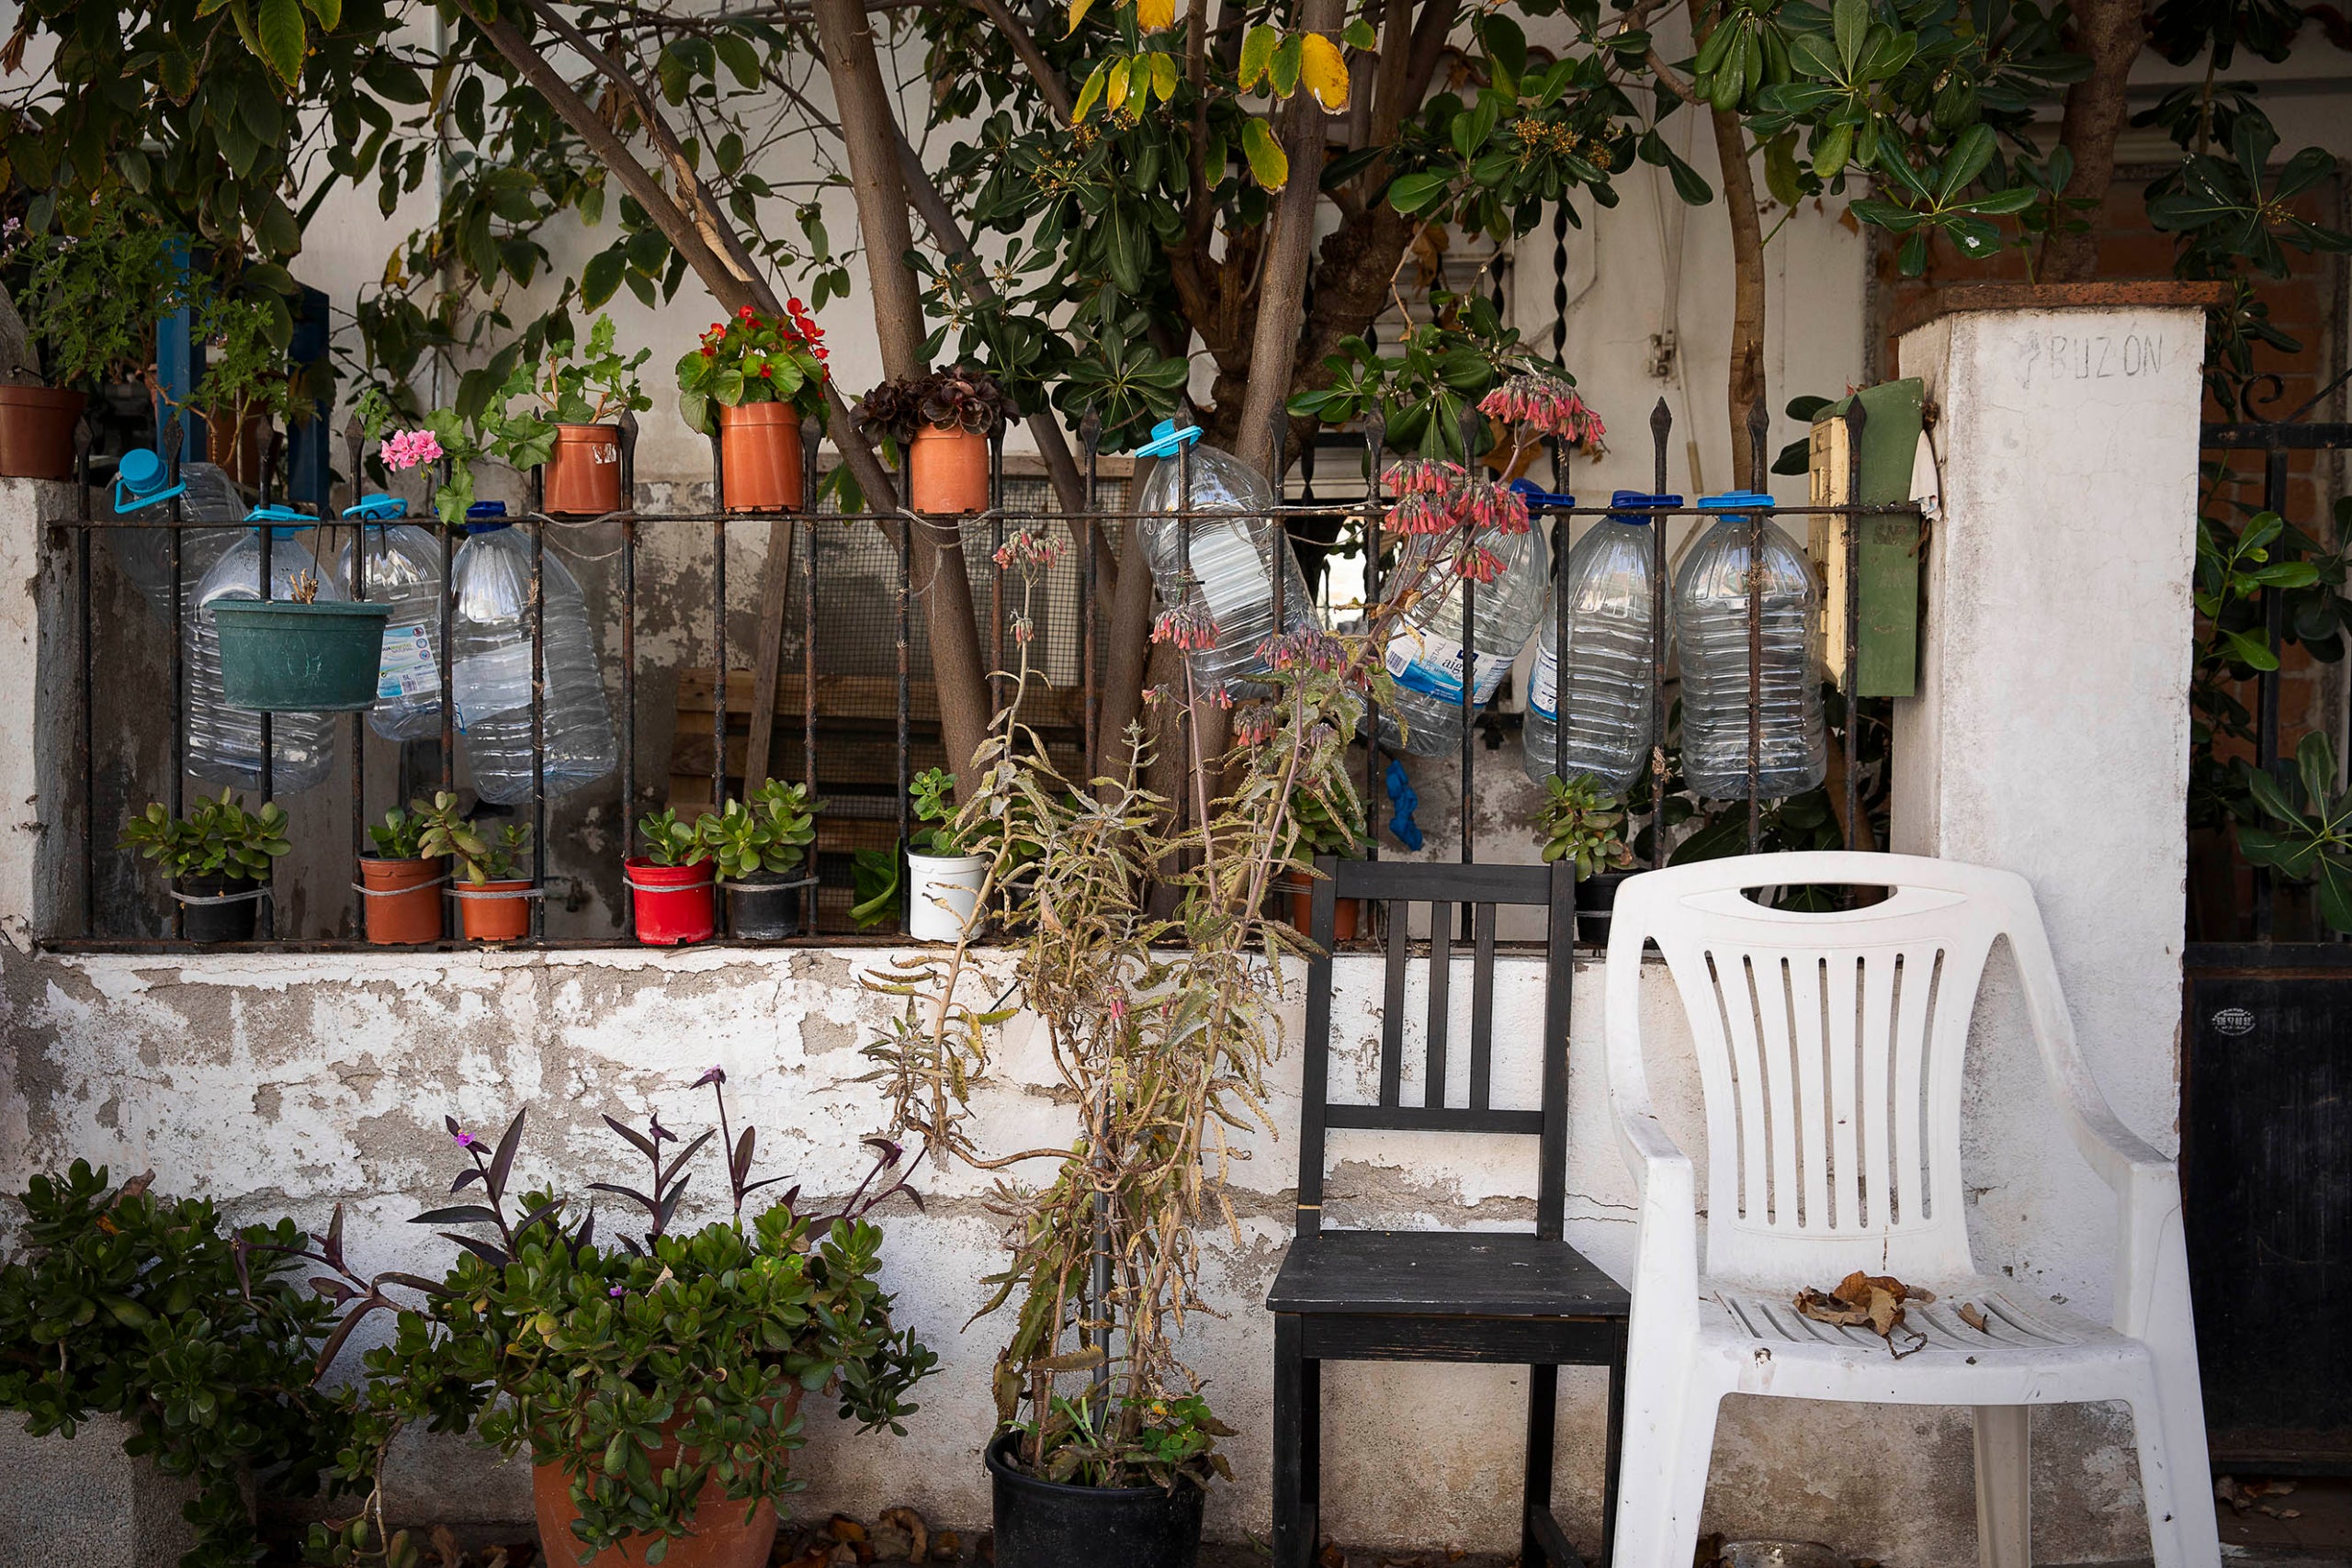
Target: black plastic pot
[
  {"x": 217, "y": 922},
  {"x": 765, "y": 909},
  {"x": 1596, "y": 897},
  {"x": 1044, "y": 1524}
]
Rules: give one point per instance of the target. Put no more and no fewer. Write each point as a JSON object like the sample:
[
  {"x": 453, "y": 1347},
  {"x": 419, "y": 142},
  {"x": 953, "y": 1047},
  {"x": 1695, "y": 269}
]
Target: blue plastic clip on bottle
[
  {"x": 378, "y": 507},
  {"x": 139, "y": 481}
]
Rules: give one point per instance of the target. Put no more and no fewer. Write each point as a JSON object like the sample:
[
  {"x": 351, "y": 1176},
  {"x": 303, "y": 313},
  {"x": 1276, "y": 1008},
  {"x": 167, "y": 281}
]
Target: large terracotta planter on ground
[
  {"x": 36, "y": 432},
  {"x": 494, "y": 919},
  {"x": 949, "y": 470},
  {"x": 721, "y": 1537},
  {"x": 581, "y": 477},
  {"x": 403, "y": 899},
  {"x": 759, "y": 456}
]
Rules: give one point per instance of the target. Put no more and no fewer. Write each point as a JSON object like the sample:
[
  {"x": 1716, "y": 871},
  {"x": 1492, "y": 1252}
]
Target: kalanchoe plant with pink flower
[{"x": 596, "y": 1357}]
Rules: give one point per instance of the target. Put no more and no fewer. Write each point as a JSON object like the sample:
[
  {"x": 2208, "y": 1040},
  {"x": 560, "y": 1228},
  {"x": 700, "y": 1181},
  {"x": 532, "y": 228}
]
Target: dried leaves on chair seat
[{"x": 1868, "y": 1301}]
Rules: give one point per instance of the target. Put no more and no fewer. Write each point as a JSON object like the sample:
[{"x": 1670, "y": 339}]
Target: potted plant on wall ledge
[
  {"x": 657, "y": 1377},
  {"x": 1582, "y": 823},
  {"x": 399, "y": 883},
  {"x": 571, "y": 437},
  {"x": 756, "y": 846},
  {"x": 90, "y": 302},
  {"x": 246, "y": 390},
  {"x": 944, "y": 873},
  {"x": 1324, "y": 820},
  {"x": 669, "y": 885},
  {"x": 494, "y": 898},
  {"x": 753, "y": 380},
  {"x": 309, "y": 653},
  {"x": 939, "y": 424},
  {"x": 218, "y": 858}
]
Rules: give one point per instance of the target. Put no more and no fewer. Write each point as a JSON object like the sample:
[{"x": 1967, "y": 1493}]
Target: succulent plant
[
  {"x": 1581, "y": 821},
  {"x": 959, "y": 398}
]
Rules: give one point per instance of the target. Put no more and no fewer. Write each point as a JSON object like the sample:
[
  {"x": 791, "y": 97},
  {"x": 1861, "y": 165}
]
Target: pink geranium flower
[{"x": 411, "y": 449}]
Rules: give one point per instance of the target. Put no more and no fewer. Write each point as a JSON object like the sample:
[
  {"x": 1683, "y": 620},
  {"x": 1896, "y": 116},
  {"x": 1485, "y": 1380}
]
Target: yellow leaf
[
  {"x": 1078, "y": 14},
  {"x": 1088, "y": 94},
  {"x": 1164, "y": 77},
  {"x": 1115, "y": 93},
  {"x": 1324, "y": 71},
  {"x": 1268, "y": 161},
  {"x": 1154, "y": 15}
]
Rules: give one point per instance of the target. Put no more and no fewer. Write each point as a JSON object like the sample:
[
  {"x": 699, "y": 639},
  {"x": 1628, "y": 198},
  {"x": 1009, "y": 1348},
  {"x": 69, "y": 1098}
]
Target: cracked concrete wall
[{"x": 287, "y": 1084}]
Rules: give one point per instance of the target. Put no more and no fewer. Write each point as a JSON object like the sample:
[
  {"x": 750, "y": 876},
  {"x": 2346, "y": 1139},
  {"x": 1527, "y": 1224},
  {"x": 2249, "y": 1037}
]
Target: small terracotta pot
[
  {"x": 36, "y": 432},
  {"x": 721, "y": 1537},
  {"x": 403, "y": 899},
  {"x": 949, "y": 469},
  {"x": 237, "y": 446},
  {"x": 581, "y": 477},
  {"x": 758, "y": 455},
  {"x": 494, "y": 919},
  {"x": 1302, "y": 908}
]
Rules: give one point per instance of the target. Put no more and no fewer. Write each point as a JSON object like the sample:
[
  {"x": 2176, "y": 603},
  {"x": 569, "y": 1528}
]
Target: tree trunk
[
  {"x": 870, "y": 135},
  {"x": 2112, "y": 33},
  {"x": 1744, "y": 381}
]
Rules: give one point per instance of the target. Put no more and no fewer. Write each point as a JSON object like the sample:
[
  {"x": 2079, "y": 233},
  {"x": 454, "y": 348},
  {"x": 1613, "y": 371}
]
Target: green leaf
[
  {"x": 284, "y": 38},
  {"x": 328, "y": 11},
  {"x": 1090, "y": 93},
  {"x": 2335, "y": 892},
  {"x": 1269, "y": 165},
  {"x": 1257, "y": 54},
  {"x": 1970, "y": 152},
  {"x": 740, "y": 57},
  {"x": 1411, "y": 193},
  {"x": 1360, "y": 35},
  {"x": 1830, "y": 153},
  {"x": 1849, "y": 22},
  {"x": 1285, "y": 66}
]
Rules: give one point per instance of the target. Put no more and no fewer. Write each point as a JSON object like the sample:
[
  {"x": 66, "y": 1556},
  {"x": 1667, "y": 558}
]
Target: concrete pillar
[
  {"x": 35, "y": 669},
  {"x": 2051, "y": 731}
]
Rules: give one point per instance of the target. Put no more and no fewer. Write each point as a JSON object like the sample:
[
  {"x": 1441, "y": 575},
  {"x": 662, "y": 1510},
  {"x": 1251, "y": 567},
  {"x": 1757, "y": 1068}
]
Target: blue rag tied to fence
[{"x": 1402, "y": 794}]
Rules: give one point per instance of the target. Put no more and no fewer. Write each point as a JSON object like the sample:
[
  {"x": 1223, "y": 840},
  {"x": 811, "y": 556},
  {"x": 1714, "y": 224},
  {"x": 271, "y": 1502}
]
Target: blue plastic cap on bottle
[
  {"x": 143, "y": 470},
  {"x": 1737, "y": 501},
  {"x": 1539, "y": 497},
  {"x": 1166, "y": 437},
  {"x": 487, "y": 517},
  {"x": 1639, "y": 498},
  {"x": 378, "y": 507}
]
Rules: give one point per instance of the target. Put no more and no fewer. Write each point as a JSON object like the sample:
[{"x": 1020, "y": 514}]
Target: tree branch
[
  {"x": 2112, "y": 32},
  {"x": 1050, "y": 86}
]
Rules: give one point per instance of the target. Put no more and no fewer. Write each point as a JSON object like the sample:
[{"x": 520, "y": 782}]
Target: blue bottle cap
[
  {"x": 1539, "y": 497},
  {"x": 1166, "y": 437},
  {"x": 487, "y": 517},
  {"x": 1639, "y": 498},
  {"x": 143, "y": 470},
  {"x": 1738, "y": 501}
]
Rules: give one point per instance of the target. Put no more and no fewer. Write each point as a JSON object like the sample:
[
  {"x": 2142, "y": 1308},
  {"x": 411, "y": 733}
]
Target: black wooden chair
[{"x": 1439, "y": 1295}]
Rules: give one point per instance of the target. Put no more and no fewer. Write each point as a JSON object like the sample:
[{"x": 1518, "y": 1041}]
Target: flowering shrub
[
  {"x": 1546, "y": 404},
  {"x": 752, "y": 359}
]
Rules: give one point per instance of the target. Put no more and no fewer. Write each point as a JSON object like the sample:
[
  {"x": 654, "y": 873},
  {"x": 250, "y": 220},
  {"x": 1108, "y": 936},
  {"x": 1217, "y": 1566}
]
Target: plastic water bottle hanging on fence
[
  {"x": 1711, "y": 616},
  {"x": 491, "y": 676},
  {"x": 404, "y": 567},
  {"x": 223, "y": 742},
  {"x": 143, "y": 489},
  {"x": 1426, "y": 657},
  {"x": 1232, "y": 561},
  {"x": 1606, "y": 694}
]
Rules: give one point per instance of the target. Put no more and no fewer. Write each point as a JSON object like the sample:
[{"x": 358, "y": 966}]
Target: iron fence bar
[
  {"x": 904, "y": 752},
  {"x": 1661, "y": 424},
  {"x": 1280, "y": 551},
  {"x": 1856, "y": 417},
  {"x": 1089, "y": 432},
  {"x": 450, "y": 921},
  {"x": 266, "y": 916},
  {"x": 808, "y": 653},
  {"x": 539, "y": 717},
  {"x": 2265, "y": 733},
  {"x": 85, "y": 649},
  {"x": 627, "y": 824},
  {"x": 1756, "y": 526},
  {"x": 176, "y": 683},
  {"x": 996, "y": 568},
  {"x": 359, "y": 720},
  {"x": 1375, "y": 434}
]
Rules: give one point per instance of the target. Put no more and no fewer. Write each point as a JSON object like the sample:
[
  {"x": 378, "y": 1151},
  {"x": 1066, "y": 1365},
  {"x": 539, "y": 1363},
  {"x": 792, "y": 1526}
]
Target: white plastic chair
[{"x": 1829, "y": 1051}]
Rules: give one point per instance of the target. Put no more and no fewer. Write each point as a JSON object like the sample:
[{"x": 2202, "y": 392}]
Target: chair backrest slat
[
  {"x": 1400, "y": 889},
  {"x": 1830, "y": 1049}
]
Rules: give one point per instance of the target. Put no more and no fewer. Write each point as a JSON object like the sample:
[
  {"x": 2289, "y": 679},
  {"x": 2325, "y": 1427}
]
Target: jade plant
[
  {"x": 1581, "y": 822},
  {"x": 769, "y": 834},
  {"x": 401, "y": 835},
  {"x": 122, "y": 1302},
  {"x": 594, "y": 1354},
  {"x": 669, "y": 841},
  {"x": 482, "y": 855},
  {"x": 217, "y": 838},
  {"x": 933, "y": 793}
]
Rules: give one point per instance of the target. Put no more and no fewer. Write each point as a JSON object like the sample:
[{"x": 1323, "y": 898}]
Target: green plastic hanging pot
[{"x": 279, "y": 657}]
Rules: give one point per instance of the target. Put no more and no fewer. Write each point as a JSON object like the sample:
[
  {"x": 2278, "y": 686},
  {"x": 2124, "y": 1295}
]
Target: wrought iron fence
[{"x": 1074, "y": 649}]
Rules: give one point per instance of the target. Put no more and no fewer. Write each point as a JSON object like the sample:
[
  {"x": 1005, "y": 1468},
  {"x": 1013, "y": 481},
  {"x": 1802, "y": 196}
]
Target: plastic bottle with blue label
[
  {"x": 224, "y": 743},
  {"x": 1711, "y": 618},
  {"x": 1612, "y": 655},
  {"x": 404, "y": 567},
  {"x": 1233, "y": 562},
  {"x": 491, "y": 678},
  {"x": 1426, "y": 657}
]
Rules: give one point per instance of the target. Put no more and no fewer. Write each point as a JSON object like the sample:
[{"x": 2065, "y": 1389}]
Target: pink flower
[
  {"x": 465, "y": 1140},
  {"x": 411, "y": 449},
  {"x": 1479, "y": 564},
  {"x": 1547, "y": 403},
  {"x": 1188, "y": 626}
]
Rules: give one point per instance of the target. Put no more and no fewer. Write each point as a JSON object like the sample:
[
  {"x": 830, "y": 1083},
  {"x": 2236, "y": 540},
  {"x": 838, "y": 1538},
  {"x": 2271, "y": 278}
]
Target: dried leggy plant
[{"x": 1159, "y": 1028}]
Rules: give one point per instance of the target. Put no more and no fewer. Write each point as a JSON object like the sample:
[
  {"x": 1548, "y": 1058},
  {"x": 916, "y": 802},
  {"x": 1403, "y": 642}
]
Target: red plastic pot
[
  {"x": 675, "y": 903},
  {"x": 759, "y": 452}
]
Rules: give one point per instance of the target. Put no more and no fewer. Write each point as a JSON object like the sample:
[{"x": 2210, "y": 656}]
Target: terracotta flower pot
[
  {"x": 582, "y": 475},
  {"x": 403, "y": 899},
  {"x": 949, "y": 469},
  {"x": 237, "y": 446},
  {"x": 36, "y": 432},
  {"x": 721, "y": 1537},
  {"x": 758, "y": 455},
  {"x": 1302, "y": 908},
  {"x": 494, "y": 919}
]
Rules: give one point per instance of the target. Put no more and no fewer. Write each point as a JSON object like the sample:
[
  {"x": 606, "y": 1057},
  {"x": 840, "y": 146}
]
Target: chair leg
[
  {"x": 2183, "y": 1529},
  {"x": 2004, "y": 1484},
  {"x": 1668, "y": 1443},
  {"x": 1298, "y": 1423},
  {"x": 1535, "y": 1491},
  {"x": 1612, "y": 1458}
]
